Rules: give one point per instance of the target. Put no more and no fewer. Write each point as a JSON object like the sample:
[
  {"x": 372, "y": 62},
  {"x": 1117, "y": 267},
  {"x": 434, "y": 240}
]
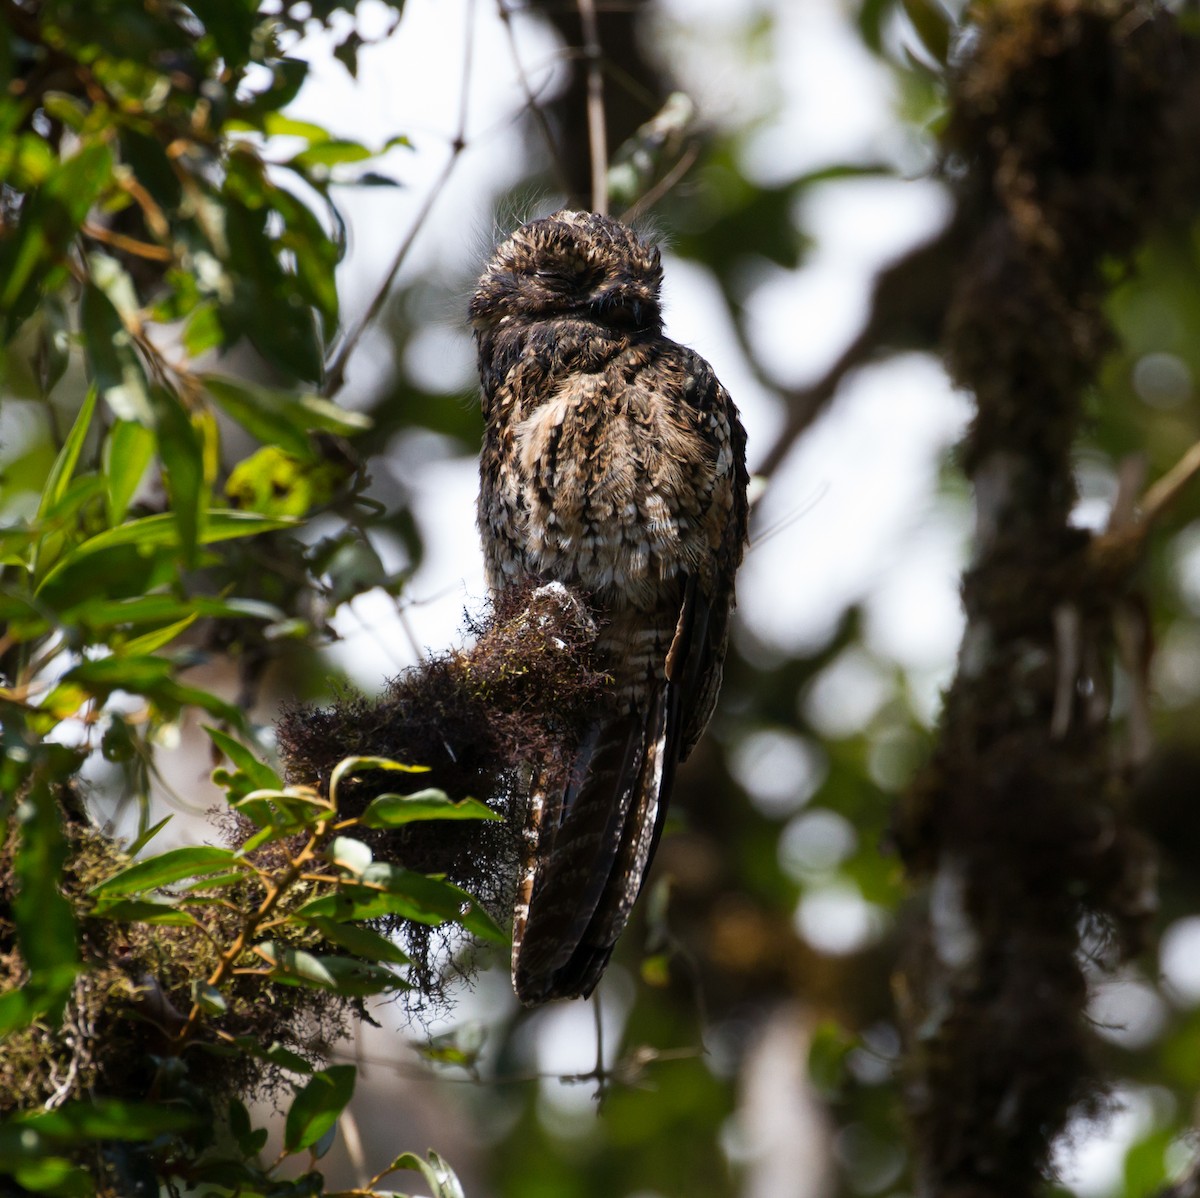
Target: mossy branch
[{"x": 1064, "y": 119}]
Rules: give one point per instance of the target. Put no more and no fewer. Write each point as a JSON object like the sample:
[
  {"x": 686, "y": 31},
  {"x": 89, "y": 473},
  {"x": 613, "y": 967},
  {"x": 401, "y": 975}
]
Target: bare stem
[
  {"x": 531, "y": 101},
  {"x": 647, "y": 201},
  {"x": 277, "y": 887},
  {"x": 1163, "y": 493},
  {"x": 1119, "y": 547},
  {"x": 335, "y": 376},
  {"x": 597, "y": 133}
]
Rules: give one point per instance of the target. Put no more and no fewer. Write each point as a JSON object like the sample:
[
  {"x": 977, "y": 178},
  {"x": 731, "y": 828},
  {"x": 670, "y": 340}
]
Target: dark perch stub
[
  {"x": 1061, "y": 118},
  {"x": 475, "y": 718}
]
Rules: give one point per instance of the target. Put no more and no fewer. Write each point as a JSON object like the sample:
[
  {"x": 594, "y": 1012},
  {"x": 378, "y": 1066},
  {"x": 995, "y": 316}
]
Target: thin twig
[
  {"x": 352, "y": 1141},
  {"x": 531, "y": 100},
  {"x": 277, "y": 887},
  {"x": 599, "y": 1018},
  {"x": 1163, "y": 493},
  {"x": 786, "y": 521},
  {"x": 597, "y": 133},
  {"x": 131, "y": 245},
  {"x": 683, "y": 164},
  {"x": 1118, "y": 548},
  {"x": 336, "y": 373}
]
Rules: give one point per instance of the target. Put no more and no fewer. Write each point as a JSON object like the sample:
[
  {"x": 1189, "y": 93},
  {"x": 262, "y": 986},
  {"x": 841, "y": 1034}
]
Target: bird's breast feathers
[{"x": 613, "y": 482}]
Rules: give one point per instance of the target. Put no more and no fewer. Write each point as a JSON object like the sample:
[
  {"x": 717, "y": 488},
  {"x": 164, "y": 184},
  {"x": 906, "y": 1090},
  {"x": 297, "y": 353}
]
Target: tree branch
[{"x": 597, "y": 131}]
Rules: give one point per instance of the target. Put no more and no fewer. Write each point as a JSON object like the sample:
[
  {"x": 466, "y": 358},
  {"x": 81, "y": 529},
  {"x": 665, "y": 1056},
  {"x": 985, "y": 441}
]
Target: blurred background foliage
[{"x": 263, "y": 419}]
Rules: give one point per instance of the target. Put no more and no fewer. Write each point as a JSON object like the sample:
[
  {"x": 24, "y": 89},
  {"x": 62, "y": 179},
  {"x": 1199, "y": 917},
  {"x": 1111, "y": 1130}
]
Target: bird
[{"x": 613, "y": 463}]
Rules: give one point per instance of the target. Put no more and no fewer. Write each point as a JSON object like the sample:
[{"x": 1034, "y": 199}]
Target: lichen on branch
[{"x": 1064, "y": 133}]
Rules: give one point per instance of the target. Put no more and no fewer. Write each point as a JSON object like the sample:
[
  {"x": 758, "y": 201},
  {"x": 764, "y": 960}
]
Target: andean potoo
[{"x": 613, "y": 462}]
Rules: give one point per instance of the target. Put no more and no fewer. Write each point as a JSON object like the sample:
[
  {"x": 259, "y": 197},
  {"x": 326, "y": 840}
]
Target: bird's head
[{"x": 571, "y": 264}]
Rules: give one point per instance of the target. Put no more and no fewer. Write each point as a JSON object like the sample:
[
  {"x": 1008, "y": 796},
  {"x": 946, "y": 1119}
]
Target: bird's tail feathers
[{"x": 588, "y": 845}]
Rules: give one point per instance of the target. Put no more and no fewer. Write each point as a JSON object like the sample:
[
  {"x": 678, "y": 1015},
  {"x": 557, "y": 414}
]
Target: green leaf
[
  {"x": 342, "y": 975},
  {"x": 331, "y": 152},
  {"x": 362, "y": 942},
  {"x": 171, "y": 692},
  {"x": 258, "y": 773},
  {"x": 355, "y": 567},
  {"x": 281, "y": 419},
  {"x": 192, "y": 861},
  {"x": 108, "y": 1119},
  {"x": 128, "y": 449},
  {"x": 438, "y": 1175},
  {"x": 102, "y": 614},
  {"x": 277, "y": 812},
  {"x": 269, "y": 306},
  {"x": 287, "y": 77},
  {"x": 161, "y": 530},
  {"x": 268, "y": 422},
  {"x": 63, "y": 469},
  {"x": 354, "y": 765},
  {"x": 232, "y": 27},
  {"x": 63, "y": 519},
  {"x": 827, "y": 1055},
  {"x": 183, "y": 465},
  {"x": 16, "y": 546},
  {"x": 393, "y": 811},
  {"x": 210, "y": 1000},
  {"x": 143, "y": 911},
  {"x": 220, "y": 525},
  {"x": 43, "y": 915},
  {"x": 279, "y": 125},
  {"x": 122, "y": 572},
  {"x": 391, "y": 890},
  {"x": 151, "y": 164},
  {"x": 352, "y": 855},
  {"x": 203, "y": 330},
  {"x": 314, "y": 252},
  {"x": 30, "y": 256},
  {"x": 346, "y": 51},
  {"x": 201, "y": 892},
  {"x": 116, "y": 368},
  {"x": 26, "y": 161},
  {"x": 933, "y": 25},
  {"x": 1146, "y": 1169},
  {"x": 250, "y": 1140},
  {"x": 276, "y": 1054},
  {"x": 134, "y": 674},
  {"x": 316, "y": 1107},
  {"x": 44, "y": 993},
  {"x": 114, "y": 280},
  {"x": 275, "y": 483},
  {"x": 150, "y": 642},
  {"x": 145, "y": 837},
  {"x": 436, "y": 896},
  {"x": 55, "y": 1175}
]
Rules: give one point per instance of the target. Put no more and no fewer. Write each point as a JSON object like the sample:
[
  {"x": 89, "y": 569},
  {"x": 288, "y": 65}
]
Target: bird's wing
[
  {"x": 697, "y": 654},
  {"x": 590, "y": 842}
]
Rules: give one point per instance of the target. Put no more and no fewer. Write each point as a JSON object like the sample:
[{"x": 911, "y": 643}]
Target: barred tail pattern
[{"x": 588, "y": 846}]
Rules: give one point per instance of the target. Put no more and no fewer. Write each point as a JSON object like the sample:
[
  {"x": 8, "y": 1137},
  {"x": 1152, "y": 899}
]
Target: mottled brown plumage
[{"x": 613, "y": 461}]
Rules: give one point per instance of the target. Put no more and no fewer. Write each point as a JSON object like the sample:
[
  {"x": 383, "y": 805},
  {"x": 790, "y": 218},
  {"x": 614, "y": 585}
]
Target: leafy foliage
[
  {"x": 158, "y": 212},
  {"x": 251, "y": 954}
]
